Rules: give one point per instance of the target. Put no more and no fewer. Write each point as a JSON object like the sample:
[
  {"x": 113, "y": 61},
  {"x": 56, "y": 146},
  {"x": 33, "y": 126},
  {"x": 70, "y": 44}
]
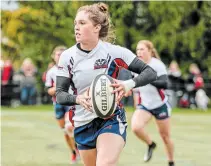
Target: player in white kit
[
  {"x": 150, "y": 100},
  {"x": 100, "y": 141},
  {"x": 62, "y": 113}
]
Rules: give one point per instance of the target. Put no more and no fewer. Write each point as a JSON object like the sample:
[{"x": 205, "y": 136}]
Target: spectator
[
  {"x": 6, "y": 82},
  {"x": 195, "y": 77},
  {"x": 28, "y": 82},
  {"x": 202, "y": 99},
  {"x": 175, "y": 83},
  {"x": 7, "y": 73},
  {"x": 193, "y": 83}
]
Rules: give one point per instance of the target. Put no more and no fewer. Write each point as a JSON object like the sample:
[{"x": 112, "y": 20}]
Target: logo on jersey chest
[
  {"x": 101, "y": 63},
  {"x": 60, "y": 67}
]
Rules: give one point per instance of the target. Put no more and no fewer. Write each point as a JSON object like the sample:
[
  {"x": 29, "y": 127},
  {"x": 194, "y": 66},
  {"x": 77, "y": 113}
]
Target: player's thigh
[
  {"x": 140, "y": 118},
  {"x": 88, "y": 157},
  {"x": 163, "y": 119},
  {"x": 164, "y": 126},
  {"x": 109, "y": 147}
]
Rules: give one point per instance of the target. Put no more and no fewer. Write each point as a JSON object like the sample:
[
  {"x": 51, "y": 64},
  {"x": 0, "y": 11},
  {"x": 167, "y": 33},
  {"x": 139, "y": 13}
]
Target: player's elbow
[{"x": 59, "y": 98}]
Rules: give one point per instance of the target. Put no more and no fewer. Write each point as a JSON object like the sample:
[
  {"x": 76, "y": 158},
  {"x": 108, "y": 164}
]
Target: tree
[{"x": 179, "y": 30}]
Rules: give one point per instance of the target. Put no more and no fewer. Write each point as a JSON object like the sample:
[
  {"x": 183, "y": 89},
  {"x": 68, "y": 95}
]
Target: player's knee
[
  {"x": 165, "y": 136},
  {"x": 69, "y": 129},
  {"x": 137, "y": 128},
  {"x": 106, "y": 161}
]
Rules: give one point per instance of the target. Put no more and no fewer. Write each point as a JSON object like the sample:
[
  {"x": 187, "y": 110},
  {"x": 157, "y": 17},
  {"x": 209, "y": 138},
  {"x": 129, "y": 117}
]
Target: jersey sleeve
[
  {"x": 49, "y": 80},
  {"x": 122, "y": 56},
  {"x": 160, "y": 68},
  {"x": 63, "y": 66}
]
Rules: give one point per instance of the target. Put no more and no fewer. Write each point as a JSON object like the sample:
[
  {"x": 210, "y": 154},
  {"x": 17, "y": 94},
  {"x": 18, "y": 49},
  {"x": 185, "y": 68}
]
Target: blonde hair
[
  {"x": 98, "y": 14},
  {"x": 28, "y": 64},
  {"x": 58, "y": 48},
  {"x": 194, "y": 68},
  {"x": 174, "y": 63},
  {"x": 150, "y": 46},
  {"x": 27, "y": 61}
]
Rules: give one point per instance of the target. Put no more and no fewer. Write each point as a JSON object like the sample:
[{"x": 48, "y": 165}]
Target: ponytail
[{"x": 155, "y": 53}]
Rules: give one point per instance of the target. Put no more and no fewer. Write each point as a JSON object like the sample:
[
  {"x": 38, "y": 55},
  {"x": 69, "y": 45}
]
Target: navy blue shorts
[
  {"x": 60, "y": 110},
  {"x": 86, "y": 135},
  {"x": 159, "y": 113}
]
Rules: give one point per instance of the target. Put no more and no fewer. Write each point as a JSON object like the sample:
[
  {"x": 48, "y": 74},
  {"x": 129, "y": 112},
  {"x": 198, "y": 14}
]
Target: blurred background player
[
  {"x": 150, "y": 100},
  {"x": 63, "y": 113}
]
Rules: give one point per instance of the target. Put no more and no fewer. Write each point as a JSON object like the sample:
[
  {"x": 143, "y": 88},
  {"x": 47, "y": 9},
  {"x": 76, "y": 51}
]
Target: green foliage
[{"x": 175, "y": 26}]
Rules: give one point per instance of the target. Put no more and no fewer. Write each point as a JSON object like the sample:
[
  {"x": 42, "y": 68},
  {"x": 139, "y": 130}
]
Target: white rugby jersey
[
  {"x": 150, "y": 96},
  {"x": 83, "y": 67},
  {"x": 51, "y": 80},
  {"x": 51, "y": 77}
]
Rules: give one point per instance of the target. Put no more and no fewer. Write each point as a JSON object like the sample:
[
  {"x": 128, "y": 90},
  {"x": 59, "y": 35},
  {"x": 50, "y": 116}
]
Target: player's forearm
[
  {"x": 161, "y": 82},
  {"x": 62, "y": 95},
  {"x": 64, "y": 98},
  {"x": 146, "y": 73},
  {"x": 147, "y": 76}
]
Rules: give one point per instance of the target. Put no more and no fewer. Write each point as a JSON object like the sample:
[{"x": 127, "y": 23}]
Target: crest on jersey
[
  {"x": 60, "y": 68},
  {"x": 101, "y": 63}
]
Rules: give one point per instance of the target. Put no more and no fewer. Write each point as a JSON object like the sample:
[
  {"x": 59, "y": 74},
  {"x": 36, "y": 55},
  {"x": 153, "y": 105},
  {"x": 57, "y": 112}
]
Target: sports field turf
[{"x": 30, "y": 137}]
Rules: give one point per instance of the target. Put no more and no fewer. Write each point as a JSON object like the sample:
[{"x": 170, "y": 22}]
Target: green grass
[
  {"x": 29, "y": 108},
  {"x": 30, "y": 137}
]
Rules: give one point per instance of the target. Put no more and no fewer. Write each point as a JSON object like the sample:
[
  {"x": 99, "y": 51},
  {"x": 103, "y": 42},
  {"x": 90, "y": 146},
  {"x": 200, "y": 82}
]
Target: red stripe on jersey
[
  {"x": 116, "y": 72},
  {"x": 121, "y": 63},
  {"x": 52, "y": 83},
  {"x": 71, "y": 115},
  {"x": 161, "y": 93},
  {"x": 139, "y": 97}
]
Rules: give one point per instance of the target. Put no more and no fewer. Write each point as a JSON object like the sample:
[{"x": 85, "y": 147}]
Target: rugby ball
[{"x": 102, "y": 98}]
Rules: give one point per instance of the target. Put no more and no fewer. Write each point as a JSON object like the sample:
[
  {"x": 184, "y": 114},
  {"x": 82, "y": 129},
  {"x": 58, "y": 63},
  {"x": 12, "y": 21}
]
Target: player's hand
[
  {"x": 129, "y": 93},
  {"x": 84, "y": 100},
  {"x": 119, "y": 89}
]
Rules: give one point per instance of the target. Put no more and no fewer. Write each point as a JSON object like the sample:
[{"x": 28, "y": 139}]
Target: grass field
[{"x": 31, "y": 137}]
